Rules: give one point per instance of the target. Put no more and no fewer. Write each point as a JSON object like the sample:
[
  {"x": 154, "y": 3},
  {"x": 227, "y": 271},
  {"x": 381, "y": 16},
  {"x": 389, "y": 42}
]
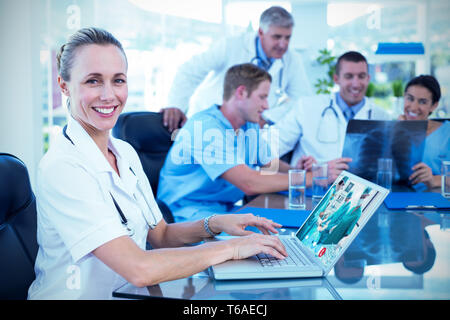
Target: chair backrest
[
  {"x": 18, "y": 224},
  {"x": 145, "y": 132},
  {"x": 151, "y": 140}
]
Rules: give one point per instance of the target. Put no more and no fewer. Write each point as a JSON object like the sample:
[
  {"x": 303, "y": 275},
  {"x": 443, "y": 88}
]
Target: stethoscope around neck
[
  {"x": 320, "y": 127},
  {"x": 279, "y": 92},
  {"x": 125, "y": 222}
]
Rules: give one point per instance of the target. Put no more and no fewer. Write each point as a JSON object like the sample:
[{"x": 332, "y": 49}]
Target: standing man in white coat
[
  {"x": 268, "y": 49},
  {"x": 315, "y": 128}
]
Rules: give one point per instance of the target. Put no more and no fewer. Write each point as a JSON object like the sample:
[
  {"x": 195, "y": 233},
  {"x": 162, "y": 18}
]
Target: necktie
[
  {"x": 263, "y": 64},
  {"x": 348, "y": 113}
]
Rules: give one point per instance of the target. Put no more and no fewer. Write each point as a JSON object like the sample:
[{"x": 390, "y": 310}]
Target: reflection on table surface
[
  {"x": 201, "y": 287},
  {"x": 398, "y": 255}
]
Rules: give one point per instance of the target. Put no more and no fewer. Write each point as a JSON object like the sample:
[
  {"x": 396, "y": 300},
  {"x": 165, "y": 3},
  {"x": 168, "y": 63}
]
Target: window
[
  {"x": 361, "y": 26},
  {"x": 158, "y": 36},
  {"x": 153, "y": 34}
]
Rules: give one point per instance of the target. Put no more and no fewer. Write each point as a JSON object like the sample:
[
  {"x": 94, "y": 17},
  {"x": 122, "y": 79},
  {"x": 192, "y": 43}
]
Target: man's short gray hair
[{"x": 275, "y": 16}]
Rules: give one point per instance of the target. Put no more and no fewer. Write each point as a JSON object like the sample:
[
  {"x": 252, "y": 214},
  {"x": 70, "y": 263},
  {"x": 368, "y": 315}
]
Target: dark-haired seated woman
[{"x": 422, "y": 96}]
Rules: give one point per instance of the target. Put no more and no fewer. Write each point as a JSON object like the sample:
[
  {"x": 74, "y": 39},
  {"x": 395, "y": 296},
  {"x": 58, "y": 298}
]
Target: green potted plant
[
  {"x": 397, "y": 88},
  {"x": 324, "y": 85},
  {"x": 397, "y": 91},
  {"x": 370, "y": 90}
]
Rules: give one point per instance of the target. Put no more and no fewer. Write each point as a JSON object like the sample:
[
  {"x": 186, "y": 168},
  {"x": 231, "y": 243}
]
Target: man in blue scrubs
[{"x": 219, "y": 155}]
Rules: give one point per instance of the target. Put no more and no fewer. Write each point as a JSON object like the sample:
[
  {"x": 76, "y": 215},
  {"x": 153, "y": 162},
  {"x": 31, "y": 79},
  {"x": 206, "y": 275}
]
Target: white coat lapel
[
  {"x": 128, "y": 180},
  {"x": 275, "y": 69},
  {"x": 363, "y": 114}
]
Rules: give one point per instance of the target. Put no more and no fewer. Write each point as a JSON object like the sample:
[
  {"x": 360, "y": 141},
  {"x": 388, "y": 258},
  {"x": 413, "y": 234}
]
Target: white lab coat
[
  {"x": 206, "y": 72},
  {"x": 317, "y": 135},
  {"x": 76, "y": 215}
]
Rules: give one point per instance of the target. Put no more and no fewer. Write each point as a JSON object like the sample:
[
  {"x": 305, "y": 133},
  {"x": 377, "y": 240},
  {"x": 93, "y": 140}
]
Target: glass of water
[
  {"x": 445, "y": 185},
  {"x": 319, "y": 180},
  {"x": 297, "y": 199},
  {"x": 384, "y": 173}
]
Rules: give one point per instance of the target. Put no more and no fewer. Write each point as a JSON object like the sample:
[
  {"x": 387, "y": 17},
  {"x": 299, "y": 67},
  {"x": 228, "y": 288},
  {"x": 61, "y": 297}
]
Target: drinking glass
[
  {"x": 384, "y": 173},
  {"x": 297, "y": 199}
]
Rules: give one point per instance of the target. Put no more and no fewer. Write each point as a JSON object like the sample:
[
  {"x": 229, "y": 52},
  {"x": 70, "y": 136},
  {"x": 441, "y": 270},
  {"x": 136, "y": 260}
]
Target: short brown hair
[
  {"x": 247, "y": 74},
  {"x": 352, "y": 56}
]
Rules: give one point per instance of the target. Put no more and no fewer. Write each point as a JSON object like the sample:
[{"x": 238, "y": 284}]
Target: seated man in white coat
[
  {"x": 269, "y": 49},
  {"x": 315, "y": 128}
]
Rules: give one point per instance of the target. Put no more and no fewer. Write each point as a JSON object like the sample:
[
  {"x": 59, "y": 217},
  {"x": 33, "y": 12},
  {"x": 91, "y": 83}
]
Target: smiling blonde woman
[{"x": 96, "y": 209}]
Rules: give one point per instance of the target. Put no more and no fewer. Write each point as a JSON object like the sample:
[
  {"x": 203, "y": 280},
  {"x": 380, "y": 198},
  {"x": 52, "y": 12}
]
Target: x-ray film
[{"x": 368, "y": 140}]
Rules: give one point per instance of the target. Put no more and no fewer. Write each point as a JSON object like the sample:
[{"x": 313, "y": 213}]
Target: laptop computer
[{"x": 320, "y": 241}]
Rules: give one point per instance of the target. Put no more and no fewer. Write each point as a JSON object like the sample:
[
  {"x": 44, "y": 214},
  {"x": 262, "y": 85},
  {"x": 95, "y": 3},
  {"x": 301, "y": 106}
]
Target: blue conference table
[{"x": 401, "y": 254}]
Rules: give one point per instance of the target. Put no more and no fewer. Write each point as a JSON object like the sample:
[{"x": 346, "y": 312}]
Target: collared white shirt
[{"x": 76, "y": 214}]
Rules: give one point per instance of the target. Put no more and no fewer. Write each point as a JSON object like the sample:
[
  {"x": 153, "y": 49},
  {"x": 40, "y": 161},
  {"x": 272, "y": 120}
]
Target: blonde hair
[{"x": 82, "y": 37}]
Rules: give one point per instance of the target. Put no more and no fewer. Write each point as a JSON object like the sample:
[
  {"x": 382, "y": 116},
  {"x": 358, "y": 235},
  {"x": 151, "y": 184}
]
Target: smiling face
[
  {"x": 254, "y": 104},
  {"x": 418, "y": 104},
  {"x": 275, "y": 41},
  {"x": 353, "y": 79},
  {"x": 98, "y": 87}
]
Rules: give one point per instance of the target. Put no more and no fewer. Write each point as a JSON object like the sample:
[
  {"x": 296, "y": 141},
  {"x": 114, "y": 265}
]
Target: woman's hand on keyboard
[
  {"x": 235, "y": 224},
  {"x": 251, "y": 245}
]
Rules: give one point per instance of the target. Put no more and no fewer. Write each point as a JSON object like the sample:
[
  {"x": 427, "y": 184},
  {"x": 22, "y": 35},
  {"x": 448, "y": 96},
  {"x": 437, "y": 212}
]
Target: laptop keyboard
[{"x": 295, "y": 256}]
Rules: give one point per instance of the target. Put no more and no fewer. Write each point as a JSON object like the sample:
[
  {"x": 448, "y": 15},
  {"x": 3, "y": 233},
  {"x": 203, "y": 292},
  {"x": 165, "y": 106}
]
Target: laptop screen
[{"x": 337, "y": 216}]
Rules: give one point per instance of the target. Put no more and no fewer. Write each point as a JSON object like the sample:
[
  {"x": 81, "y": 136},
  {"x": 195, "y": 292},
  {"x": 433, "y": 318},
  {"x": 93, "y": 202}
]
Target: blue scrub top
[
  {"x": 205, "y": 148},
  {"x": 437, "y": 149}
]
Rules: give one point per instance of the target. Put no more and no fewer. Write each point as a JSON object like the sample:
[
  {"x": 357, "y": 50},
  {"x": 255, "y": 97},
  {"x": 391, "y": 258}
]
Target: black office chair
[
  {"x": 18, "y": 224},
  {"x": 145, "y": 132}
]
